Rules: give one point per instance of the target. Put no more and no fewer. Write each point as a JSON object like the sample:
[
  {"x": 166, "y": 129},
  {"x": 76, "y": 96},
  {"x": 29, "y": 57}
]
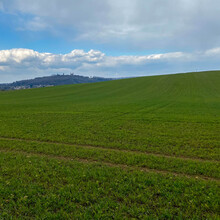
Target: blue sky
[{"x": 108, "y": 38}]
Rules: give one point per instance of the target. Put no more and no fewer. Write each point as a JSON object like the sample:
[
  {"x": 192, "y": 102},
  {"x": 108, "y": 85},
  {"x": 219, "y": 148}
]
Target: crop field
[{"x": 140, "y": 148}]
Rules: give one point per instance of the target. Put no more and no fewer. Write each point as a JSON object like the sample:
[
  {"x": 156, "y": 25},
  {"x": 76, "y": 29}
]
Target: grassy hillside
[{"x": 142, "y": 147}]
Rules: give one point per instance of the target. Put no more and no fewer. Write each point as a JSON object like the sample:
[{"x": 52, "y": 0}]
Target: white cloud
[
  {"x": 76, "y": 58},
  {"x": 15, "y": 57},
  {"x": 213, "y": 52},
  {"x": 25, "y": 63}
]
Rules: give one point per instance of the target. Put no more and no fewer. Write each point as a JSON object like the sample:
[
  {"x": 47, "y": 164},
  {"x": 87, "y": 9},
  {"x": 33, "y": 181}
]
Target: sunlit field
[{"x": 145, "y": 147}]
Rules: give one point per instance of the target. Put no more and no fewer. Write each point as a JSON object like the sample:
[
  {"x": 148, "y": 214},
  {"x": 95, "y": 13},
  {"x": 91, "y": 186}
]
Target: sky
[{"x": 108, "y": 38}]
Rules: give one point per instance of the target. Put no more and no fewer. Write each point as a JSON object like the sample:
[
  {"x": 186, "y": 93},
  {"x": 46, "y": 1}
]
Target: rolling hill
[
  {"x": 48, "y": 81},
  {"x": 146, "y": 147}
]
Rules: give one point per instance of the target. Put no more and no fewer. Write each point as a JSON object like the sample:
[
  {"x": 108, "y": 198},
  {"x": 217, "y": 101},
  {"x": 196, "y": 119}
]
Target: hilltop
[{"x": 48, "y": 81}]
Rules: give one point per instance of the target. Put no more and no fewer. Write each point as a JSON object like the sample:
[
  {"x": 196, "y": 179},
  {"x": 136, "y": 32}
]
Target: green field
[{"x": 142, "y": 148}]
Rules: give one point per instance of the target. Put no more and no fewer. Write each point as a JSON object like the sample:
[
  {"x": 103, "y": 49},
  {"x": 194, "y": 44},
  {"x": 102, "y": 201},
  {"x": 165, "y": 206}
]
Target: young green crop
[
  {"x": 172, "y": 114},
  {"x": 196, "y": 140},
  {"x": 38, "y": 187},
  {"x": 168, "y": 125},
  {"x": 172, "y": 164}
]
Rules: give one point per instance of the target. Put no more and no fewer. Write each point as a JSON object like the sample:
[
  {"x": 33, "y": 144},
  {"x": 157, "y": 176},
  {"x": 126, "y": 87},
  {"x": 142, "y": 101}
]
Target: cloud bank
[
  {"x": 177, "y": 25},
  {"x": 20, "y": 63}
]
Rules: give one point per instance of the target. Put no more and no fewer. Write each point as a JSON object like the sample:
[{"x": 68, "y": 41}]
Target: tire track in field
[
  {"x": 122, "y": 166},
  {"x": 109, "y": 148}
]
